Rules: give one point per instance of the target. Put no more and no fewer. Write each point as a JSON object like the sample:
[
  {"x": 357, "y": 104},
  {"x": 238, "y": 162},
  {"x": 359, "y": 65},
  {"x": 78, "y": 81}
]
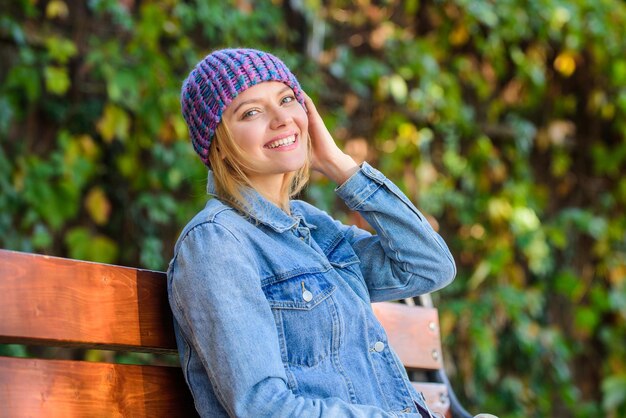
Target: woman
[{"x": 271, "y": 296}]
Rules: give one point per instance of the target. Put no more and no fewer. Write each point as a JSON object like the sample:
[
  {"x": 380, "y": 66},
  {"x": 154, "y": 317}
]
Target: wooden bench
[{"x": 57, "y": 302}]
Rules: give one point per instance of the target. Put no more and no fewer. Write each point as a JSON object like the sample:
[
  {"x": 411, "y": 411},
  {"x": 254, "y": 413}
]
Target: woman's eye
[
  {"x": 288, "y": 99},
  {"x": 250, "y": 113}
]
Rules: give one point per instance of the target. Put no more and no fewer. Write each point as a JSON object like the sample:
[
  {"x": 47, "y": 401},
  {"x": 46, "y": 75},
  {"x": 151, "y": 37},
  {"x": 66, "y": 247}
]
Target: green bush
[{"x": 505, "y": 121}]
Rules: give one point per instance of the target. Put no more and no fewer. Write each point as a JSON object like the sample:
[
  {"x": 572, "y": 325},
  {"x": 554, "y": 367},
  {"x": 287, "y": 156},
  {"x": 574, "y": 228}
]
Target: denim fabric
[{"x": 272, "y": 313}]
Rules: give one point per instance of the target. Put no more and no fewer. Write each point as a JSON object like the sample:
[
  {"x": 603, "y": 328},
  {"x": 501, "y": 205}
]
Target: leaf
[
  {"x": 459, "y": 36},
  {"x": 524, "y": 220},
  {"x": 78, "y": 240},
  {"x": 61, "y": 49},
  {"x": 114, "y": 123},
  {"x": 84, "y": 245},
  {"x": 617, "y": 300},
  {"x": 570, "y": 285},
  {"x": 41, "y": 237},
  {"x": 614, "y": 390},
  {"x": 565, "y": 63},
  {"x": 98, "y": 205},
  {"x": 26, "y": 80},
  {"x": 95, "y": 355},
  {"x": 13, "y": 350},
  {"x": 123, "y": 88},
  {"x": 57, "y": 80},
  {"x": 479, "y": 275},
  {"x": 398, "y": 88},
  {"x": 103, "y": 249},
  {"x": 54, "y": 200},
  {"x": 57, "y": 8},
  {"x": 152, "y": 253},
  {"x": 499, "y": 209},
  {"x": 586, "y": 319}
]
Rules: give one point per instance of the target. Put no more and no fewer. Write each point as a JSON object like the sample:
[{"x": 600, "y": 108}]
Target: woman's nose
[{"x": 280, "y": 118}]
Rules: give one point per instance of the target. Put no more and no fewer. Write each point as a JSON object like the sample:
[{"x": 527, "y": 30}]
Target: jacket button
[
  {"x": 307, "y": 296},
  {"x": 379, "y": 346}
]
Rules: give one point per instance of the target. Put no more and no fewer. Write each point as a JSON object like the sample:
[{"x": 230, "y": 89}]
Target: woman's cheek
[{"x": 302, "y": 121}]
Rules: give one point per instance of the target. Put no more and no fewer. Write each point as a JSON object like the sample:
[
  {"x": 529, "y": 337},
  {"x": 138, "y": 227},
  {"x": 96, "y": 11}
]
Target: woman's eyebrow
[
  {"x": 257, "y": 99},
  {"x": 245, "y": 102},
  {"x": 286, "y": 88}
]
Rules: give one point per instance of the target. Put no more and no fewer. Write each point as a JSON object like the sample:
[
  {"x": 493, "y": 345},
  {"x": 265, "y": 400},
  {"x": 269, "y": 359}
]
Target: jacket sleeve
[
  {"x": 406, "y": 257},
  {"x": 216, "y": 297}
]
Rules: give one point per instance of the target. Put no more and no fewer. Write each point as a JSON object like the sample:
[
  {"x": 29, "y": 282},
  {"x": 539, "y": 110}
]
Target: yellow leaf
[
  {"x": 479, "y": 275},
  {"x": 459, "y": 36},
  {"x": 499, "y": 209},
  {"x": 565, "y": 63},
  {"x": 94, "y": 355},
  {"x": 617, "y": 275},
  {"x": 98, "y": 206},
  {"x": 408, "y": 132},
  {"x": 180, "y": 127},
  {"x": 57, "y": 8},
  {"x": 607, "y": 111},
  {"x": 88, "y": 146},
  {"x": 114, "y": 123}
]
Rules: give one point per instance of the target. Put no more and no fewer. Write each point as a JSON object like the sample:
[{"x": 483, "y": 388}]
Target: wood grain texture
[
  {"x": 67, "y": 302},
  {"x": 413, "y": 332},
  {"x": 61, "y": 388}
]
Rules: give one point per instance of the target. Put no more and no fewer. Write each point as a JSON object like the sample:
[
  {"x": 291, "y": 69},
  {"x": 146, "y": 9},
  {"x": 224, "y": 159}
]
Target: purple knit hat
[{"x": 217, "y": 80}]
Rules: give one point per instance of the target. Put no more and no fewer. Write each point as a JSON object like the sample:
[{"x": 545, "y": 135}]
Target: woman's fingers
[
  {"x": 326, "y": 156},
  {"x": 317, "y": 128},
  {"x": 316, "y": 124},
  {"x": 308, "y": 103}
]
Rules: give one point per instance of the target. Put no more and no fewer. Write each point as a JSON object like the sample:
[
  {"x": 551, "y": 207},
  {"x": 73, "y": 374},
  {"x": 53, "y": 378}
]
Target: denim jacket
[{"x": 272, "y": 312}]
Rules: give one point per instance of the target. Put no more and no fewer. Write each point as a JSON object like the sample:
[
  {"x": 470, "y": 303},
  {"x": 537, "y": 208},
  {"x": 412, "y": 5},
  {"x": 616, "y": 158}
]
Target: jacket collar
[{"x": 264, "y": 211}]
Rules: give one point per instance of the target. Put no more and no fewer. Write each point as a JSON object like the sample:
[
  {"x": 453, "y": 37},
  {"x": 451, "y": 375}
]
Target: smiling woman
[
  {"x": 271, "y": 296},
  {"x": 269, "y": 128}
]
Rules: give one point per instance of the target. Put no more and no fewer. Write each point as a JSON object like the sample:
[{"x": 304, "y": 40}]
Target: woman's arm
[
  {"x": 218, "y": 302},
  {"x": 406, "y": 257}
]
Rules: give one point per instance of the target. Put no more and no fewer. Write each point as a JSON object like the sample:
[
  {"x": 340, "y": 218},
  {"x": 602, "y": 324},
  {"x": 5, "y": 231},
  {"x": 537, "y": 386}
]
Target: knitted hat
[{"x": 217, "y": 80}]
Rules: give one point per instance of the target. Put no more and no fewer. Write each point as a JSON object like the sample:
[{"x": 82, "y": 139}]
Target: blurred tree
[{"x": 503, "y": 120}]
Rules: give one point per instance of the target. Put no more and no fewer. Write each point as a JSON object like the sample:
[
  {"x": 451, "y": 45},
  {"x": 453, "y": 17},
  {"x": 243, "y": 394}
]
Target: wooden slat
[
  {"x": 436, "y": 395},
  {"x": 413, "y": 333},
  {"x": 61, "y": 388},
  {"x": 51, "y": 300}
]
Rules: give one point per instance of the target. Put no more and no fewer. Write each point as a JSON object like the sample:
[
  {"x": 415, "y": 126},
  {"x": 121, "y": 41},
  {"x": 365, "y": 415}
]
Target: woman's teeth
[{"x": 282, "y": 142}]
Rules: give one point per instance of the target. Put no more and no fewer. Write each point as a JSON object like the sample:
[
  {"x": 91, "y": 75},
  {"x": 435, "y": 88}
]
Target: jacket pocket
[
  {"x": 340, "y": 253},
  {"x": 306, "y": 317},
  {"x": 343, "y": 259}
]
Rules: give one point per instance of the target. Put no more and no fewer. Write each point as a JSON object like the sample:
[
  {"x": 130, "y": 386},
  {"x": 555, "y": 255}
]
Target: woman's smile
[{"x": 285, "y": 143}]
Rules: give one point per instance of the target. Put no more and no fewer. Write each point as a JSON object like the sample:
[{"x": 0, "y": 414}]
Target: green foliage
[{"x": 503, "y": 120}]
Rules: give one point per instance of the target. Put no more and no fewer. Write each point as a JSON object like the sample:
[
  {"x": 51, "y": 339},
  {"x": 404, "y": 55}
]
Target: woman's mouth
[{"x": 282, "y": 142}]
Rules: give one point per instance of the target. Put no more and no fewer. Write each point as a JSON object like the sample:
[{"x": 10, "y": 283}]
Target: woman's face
[{"x": 270, "y": 126}]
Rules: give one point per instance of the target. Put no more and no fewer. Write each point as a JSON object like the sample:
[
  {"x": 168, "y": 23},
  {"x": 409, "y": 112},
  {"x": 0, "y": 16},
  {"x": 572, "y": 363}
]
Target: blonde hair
[{"x": 228, "y": 165}]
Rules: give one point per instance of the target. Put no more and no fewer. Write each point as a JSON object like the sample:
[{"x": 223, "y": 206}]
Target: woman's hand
[{"x": 326, "y": 156}]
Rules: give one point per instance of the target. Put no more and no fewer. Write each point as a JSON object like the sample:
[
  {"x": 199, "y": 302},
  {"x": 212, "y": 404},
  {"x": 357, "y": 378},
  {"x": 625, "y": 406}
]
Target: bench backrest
[{"x": 56, "y": 302}]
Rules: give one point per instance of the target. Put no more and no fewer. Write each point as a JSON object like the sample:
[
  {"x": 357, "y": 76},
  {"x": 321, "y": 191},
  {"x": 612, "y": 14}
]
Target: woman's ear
[{"x": 219, "y": 152}]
